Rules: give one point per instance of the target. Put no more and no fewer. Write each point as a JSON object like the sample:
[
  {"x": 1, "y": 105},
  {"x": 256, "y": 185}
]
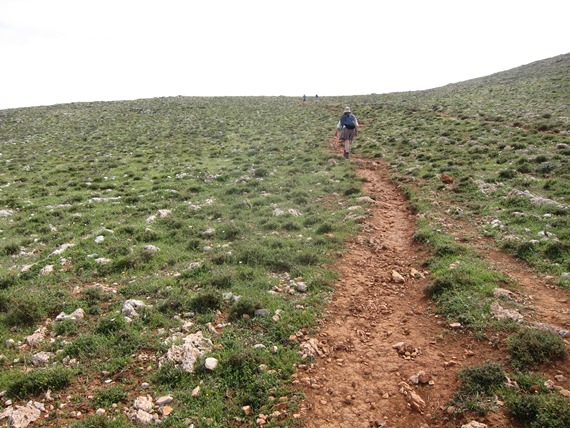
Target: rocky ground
[{"x": 383, "y": 358}]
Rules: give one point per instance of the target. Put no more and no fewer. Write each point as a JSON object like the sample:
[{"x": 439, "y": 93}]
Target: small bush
[
  {"x": 38, "y": 381},
  {"x": 206, "y": 302},
  {"x": 108, "y": 396},
  {"x": 244, "y": 307},
  {"x": 483, "y": 379},
  {"x": 531, "y": 347},
  {"x": 98, "y": 421}
]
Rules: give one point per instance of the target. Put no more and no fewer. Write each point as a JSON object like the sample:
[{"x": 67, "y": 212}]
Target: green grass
[{"x": 252, "y": 197}]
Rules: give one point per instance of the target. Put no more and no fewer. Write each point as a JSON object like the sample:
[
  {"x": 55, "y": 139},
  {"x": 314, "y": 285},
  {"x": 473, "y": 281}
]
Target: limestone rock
[
  {"x": 76, "y": 315},
  {"x": 42, "y": 358},
  {"x": 22, "y": 416},
  {"x": 144, "y": 402},
  {"x": 474, "y": 424},
  {"x": 397, "y": 277},
  {"x": 186, "y": 354},
  {"x": 211, "y": 363},
  {"x": 500, "y": 313},
  {"x": 130, "y": 307},
  {"x": 38, "y": 336}
]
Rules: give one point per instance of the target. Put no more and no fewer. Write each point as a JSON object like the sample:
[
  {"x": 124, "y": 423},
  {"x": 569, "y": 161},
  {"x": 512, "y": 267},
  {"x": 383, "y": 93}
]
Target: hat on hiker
[{"x": 347, "y": 109}]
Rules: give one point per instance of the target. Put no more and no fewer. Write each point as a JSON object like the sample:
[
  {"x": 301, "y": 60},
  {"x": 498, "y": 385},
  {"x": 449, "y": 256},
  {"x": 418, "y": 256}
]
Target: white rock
[
  {"x": 186, "y": 354},
  {"x": 21, "y": 416},
  {"x": 130, "y": 307},
  {"x": 151, "y": 249},
  {"x": 397, "y": 277},
  {"x": 500, "y": 313},
  {"x": 166, "y": 399},
  {"x": 211, "y": 363},
  {"x": 38, "y": 336},
  {"x": 99, "y": 239},
  {"x": 42, "y": 358},
  {"x": 474, "y": 424},
  {"x": 144, "y": 402},
  {"x": 46, "y": 270},
  {"x": 143, "y": 417},
  {"x": 76, "y": 315},
  {"x": 61, "y": 249}
]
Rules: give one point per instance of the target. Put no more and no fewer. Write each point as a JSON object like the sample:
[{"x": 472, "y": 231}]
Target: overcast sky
[{"x": 59, "y": 51}]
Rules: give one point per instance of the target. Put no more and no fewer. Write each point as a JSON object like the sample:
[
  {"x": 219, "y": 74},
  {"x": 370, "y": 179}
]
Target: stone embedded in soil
[
  {"x": 144, "y": 403},
  {"x": 22, "y": 416},
  {"x": 397, "y": 277},
  {"x": 500, "y": 313},
  {"x": 474, "y": 424}
]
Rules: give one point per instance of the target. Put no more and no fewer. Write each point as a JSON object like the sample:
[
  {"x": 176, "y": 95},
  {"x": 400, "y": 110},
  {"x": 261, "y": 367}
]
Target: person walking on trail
[{"x": 348, "y": 126}]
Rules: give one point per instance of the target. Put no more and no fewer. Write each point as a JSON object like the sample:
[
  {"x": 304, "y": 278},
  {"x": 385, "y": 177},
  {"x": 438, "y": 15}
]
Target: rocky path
[{"x": 384, "y": 359}]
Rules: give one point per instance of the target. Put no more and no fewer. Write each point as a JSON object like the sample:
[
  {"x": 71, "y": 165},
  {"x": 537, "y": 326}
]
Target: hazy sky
[{"x": 58, "y": 51}]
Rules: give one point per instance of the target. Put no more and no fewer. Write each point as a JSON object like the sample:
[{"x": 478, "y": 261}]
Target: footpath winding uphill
[{"x": 383, "y": 359}]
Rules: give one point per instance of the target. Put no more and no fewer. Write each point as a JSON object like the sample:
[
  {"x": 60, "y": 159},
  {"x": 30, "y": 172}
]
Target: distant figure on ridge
[
  {"x": 348, "y": 126},
  {"x": 304, "y": 98},
  {"x": 317, "y": 97}
]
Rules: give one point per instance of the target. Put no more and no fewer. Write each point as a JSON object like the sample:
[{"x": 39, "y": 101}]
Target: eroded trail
[
  {"x": 378, "y": 333},
  {"x": 357, "y": 381}
]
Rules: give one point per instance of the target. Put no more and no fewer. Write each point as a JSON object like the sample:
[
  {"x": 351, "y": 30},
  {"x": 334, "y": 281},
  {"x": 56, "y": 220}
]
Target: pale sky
[{"x": 59, "y": 51}]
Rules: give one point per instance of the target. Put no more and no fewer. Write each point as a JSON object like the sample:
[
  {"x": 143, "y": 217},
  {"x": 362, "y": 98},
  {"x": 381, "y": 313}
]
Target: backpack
[{"x": 350, "y": 121}]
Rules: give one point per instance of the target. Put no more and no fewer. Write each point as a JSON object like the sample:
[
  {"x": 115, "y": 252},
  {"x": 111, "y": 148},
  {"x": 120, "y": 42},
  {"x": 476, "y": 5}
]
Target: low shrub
[
  {"x": 38, "y": 381},
  {"x": 531, "y": 347}
]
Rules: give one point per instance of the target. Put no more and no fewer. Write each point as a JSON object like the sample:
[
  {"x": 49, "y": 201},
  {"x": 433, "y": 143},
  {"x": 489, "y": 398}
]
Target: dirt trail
[{"x": 360, "y": 379}]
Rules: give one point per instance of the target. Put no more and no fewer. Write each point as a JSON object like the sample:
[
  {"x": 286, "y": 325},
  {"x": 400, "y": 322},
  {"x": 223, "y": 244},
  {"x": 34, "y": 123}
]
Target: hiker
[
  {"x": 317, "y": 97},
  {"x": 348, "y": 125},
  {"x": 304, "y": 98}
]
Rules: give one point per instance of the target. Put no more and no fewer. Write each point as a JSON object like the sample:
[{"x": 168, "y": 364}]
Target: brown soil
[{"x": 356, "y": 381}]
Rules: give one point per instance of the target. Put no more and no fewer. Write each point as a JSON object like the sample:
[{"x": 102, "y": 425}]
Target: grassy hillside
[
  {"x": 205, "y": 210},
  {"x": 219, "y": 215},
  {"x": 505, "y": 142}
]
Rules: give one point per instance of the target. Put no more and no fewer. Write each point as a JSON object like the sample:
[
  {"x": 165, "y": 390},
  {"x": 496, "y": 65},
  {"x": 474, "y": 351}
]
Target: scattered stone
[
  {"x": 130, "y": 306},
  {"x": 420, "y": 378},
  {"x": 100, "y": 411},
  {"x": 6, "y": 213},
  {"x": 166, "y": 399},
  {"x": 535, "y": 200},
  {"x": 554, "y": 329},
  {"x": 42, "y": 358},
  {"x": 151, "y": 249},
  {"x": 560, "y": 378},
  {"x": 211, "y": 363},
  {"x": 312, "y": 348},
  {"x": 10, "y": 343},
  {"x": 102, "y": 261},
  {"x": 166, "y": 410},
  {"x": 415, "y": 402},
  {"x": 186, "y": 354},
  {"x": 196, "y": 391},
  {"x": 61, "y": 249},
  {"x": 301, "y": 287},
  {"x": 397, "y": 277},
  {"x": 143, "y": 417},
  {"x": 99, "y": 239},
  {"x": 416, "y": 274},
  {"x": 22, "y": 416},
  {"x": 144, "y": 402},
  {"x": 474, "y": 424},
  {"x": 262, "y": 313},
  {"x": 455, "y": 325},
  {"x": 247, "y": 410},
  {"x": 46, "y": 270},
  {"x": 500, "y": 313},
  {"x": 294, "y": 212},
  {"x": 38, "y": 336},
  {"x": 76, "y": 315},
  {"x": 503, "y": 293}
]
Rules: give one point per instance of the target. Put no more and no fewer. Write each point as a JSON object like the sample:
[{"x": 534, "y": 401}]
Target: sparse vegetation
[{"x": 204, "y": 208}]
